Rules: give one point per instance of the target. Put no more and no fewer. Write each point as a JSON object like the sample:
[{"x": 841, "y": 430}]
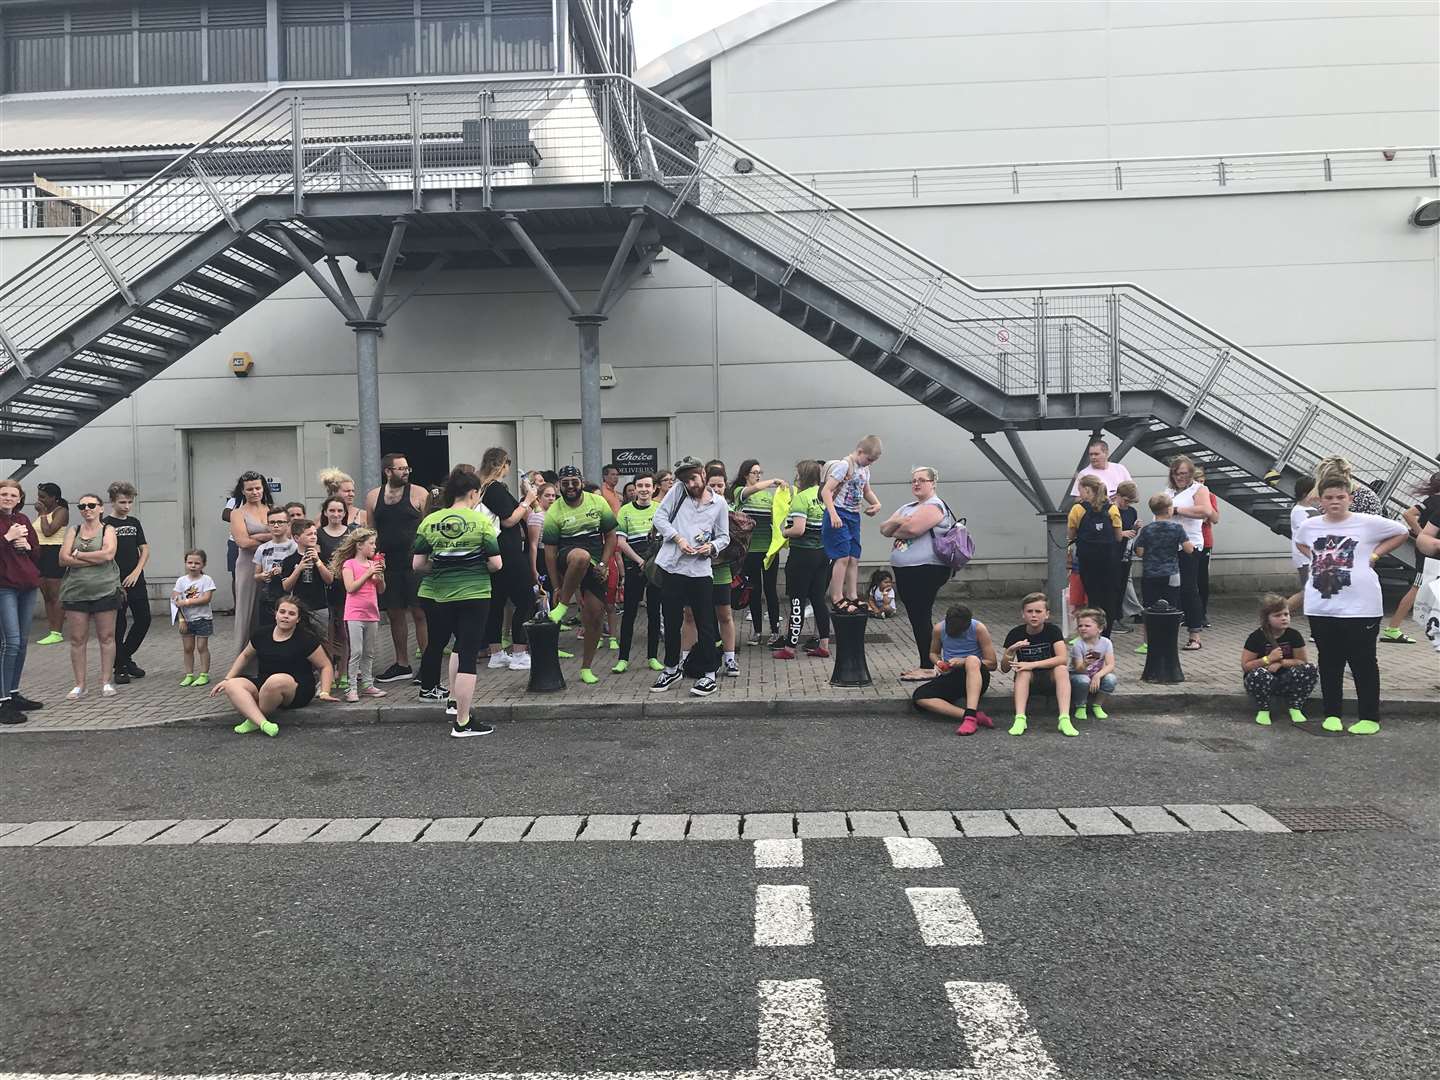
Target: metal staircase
[{"x": 334, "y": 167}]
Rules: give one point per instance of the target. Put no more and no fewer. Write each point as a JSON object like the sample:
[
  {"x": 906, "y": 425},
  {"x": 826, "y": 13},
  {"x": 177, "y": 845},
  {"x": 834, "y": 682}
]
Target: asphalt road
[{"x": 1232, "y": 955}]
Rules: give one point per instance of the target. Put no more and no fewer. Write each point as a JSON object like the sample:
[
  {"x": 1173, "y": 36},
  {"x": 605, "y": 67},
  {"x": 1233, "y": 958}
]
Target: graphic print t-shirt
[
  {"x": 1287, "y": 643},
  {"x": 129, "y": 536},
  {"x": 807, "y": 505},
  {"x": 459, "y": 542},
  {"x": 1042, "y": 643},
  {"x": 850, "y": 481},
  {"x": 1092, "y": 656},
  {"x": 1161, "y": 541},
  {"x": 582, "y": 526},
  {"x": 272, "y": 555},
  {"x": 1342, "y": 582}
]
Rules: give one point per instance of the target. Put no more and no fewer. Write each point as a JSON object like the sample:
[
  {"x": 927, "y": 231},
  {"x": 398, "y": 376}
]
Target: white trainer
[
  {"x": 499, "y": 660},
  {"x": 520, "y": 661}
]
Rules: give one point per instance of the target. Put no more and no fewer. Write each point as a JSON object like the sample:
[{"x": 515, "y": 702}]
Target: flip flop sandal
[{"x": 1192, "y": 646}]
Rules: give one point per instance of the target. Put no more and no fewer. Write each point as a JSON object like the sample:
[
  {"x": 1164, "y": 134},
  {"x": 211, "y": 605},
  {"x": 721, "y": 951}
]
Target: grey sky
[{"x": 660, "y": 25}]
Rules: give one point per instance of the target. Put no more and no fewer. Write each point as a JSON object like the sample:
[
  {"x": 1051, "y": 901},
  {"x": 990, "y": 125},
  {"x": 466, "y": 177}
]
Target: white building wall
[{"x": 1332, "y": 286}]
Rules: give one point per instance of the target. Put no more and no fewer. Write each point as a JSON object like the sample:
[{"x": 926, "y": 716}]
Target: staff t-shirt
[
  {"x": 459, "y": 542},
  {"x": 806, "y": 504},
  {"x": 759, "y": 507},
  {"x": 1287, "y": 642},
  {"x": 582, "y": 526},
  {"x": 289, "y": 657},
  {"x": 129, "y": 536},
  {"x": 1041, "y": 645},
  {"x": 850, "y": 483},
  {"x": 1342, "y": 582},
  {"x": 634, "y": 523},
  {"x": 1092, "y": 656}
]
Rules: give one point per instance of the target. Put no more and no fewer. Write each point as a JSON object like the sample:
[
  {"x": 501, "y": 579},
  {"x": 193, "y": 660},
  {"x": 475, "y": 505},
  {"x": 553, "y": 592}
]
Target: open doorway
[{"x": 426, "y": 448}]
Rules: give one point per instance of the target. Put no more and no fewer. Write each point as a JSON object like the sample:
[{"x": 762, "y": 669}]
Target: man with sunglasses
[
  {"x": 394, "y": 510},
  {"x": 579, "y": 537}
]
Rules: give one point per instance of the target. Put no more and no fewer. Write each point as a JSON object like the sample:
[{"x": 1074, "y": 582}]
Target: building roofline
[{"x": 684, "y": 62}]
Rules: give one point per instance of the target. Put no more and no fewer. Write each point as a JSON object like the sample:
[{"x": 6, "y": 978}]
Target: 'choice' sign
[{"x": 636, "y": 460}]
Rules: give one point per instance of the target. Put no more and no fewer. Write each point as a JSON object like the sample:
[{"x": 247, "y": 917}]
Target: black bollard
[
  {"x": 1162, "y": 633},
  {"x": 545, "y": 674},
  {"x": 850, "y": 666}
]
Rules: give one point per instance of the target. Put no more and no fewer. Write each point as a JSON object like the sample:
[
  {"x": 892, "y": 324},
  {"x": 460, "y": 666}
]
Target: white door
[
  {"x": 468, "y": 443},
  {"x": 631, "y": 444},
  {"x": 216, "y": 458}
]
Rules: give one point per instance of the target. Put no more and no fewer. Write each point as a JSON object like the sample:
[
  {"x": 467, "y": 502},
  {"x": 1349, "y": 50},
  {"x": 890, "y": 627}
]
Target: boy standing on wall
[{"x": 846, "y": 494}]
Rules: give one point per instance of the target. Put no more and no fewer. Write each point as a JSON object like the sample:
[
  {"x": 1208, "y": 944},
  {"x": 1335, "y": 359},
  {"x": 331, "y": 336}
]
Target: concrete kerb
[{"x": 1199, "y": 704}]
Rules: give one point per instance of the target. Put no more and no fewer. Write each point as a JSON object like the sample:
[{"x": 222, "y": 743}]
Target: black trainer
[
  {"x": 135, "y": 670},
  {"x": 666, "y": 680},
  {"x": 9, "y": 714},
  {"x": 466, "y": 731},
  {"x": 24, "y": 704},
  {"x": 452, "y": 707},
  {"x": 122, "y": 677},
  {"x": 394, "y": 673},
  {"x": 438, "y": 694},
  {"x": 704, "y": 686},
  {"x": 778, "y": 640}
]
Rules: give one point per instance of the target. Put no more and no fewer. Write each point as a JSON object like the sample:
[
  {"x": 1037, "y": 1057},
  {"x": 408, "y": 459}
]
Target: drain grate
[{"x": 1333, "y": 818}]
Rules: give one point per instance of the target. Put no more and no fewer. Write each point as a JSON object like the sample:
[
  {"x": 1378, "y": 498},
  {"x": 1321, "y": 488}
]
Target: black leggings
[
  {"x": 137, "y": 606},
  {"x": 677, "y": 592},
  {"x": 1202, "y": 583},
  {"x": 511, "y": 584},
  {"x": 464, "y": 620},
  {"x": 1190, "y": 590},
  {"x": 1342, "y": 641},
  {"x": 637, "y": 588},
  {"x": 807, "y": 577},
  {"x": 1099, "y": 567},
  {"x": 757, "y": 573},
  {"x": 916, "y": 587}
]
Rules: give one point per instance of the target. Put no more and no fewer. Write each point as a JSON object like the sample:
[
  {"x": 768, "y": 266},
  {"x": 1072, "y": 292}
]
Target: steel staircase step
[
  {"x": 216, "y": 282},
  {"x": 187, "y": 322},
  {"x": 76, "y": 400},
  {"x": 160, "y": 336},
  {"x": 103, "y": 371},
  {"x": 262, "y": 275},
  {"x": 210, "y": 308},
  {"x": 135, "y": 354}
]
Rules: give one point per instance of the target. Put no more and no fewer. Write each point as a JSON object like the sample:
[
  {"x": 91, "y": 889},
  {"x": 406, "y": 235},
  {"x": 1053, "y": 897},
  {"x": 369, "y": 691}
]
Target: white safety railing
[{"x": 601, "y": 130}]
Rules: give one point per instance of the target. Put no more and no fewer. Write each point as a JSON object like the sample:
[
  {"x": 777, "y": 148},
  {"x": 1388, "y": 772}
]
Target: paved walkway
[{"x": 1410, "y": 676}]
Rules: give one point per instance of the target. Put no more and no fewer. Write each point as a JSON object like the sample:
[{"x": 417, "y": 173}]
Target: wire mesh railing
[{"x": 481, "y": 134}]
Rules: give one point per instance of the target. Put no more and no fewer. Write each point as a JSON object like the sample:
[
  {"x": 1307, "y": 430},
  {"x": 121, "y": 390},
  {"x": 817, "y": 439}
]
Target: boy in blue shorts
[{"x": 847, "y": 494}]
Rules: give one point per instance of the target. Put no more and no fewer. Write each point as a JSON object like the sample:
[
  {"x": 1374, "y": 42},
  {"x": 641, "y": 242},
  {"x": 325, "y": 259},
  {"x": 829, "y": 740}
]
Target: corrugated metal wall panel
[
  {"x": 382, "y": 49},
  {"x": 519, "y": 43},
  {"x": 100, "y": 60},
  {"x": 237, "y": 54},
  {"x": 35, "y": 63},
  {"x": 169, "y": 57},
  {"x": 452, "y": 46},
  {"x": 315, "y": 51}
]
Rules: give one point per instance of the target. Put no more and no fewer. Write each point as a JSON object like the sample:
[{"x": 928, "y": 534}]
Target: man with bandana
[{"x": 579, "y": 538}]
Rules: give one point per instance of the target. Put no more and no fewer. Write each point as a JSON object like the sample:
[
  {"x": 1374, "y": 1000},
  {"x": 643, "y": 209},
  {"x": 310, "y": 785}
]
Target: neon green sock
[
  {"x": 614, "y": 643},
  {"x": 269, "y": 727},
  {"x": 1098, "y": 713},
  {"x": 1332, "y": 723},
  {"x": 1080, "y": 713},
  {"x": 558, "y": 612},
  {"x": 1298, "y": 717},
  {"x": 656, "y": 665},
  {"x": 245, "y": 727},
  {"x": 1144, "y": 649},
  {"x": 1364, "y": 727},
  {"x": 1263, "y": 718},
  {"x": 588, "y": 677},
  {"x": 621, "y": 666},
  {"x": 1065, "y": 726},
  {"x": 1018, "y": 727}
]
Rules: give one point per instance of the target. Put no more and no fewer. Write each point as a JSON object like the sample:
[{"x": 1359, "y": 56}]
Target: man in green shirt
[{"x": 579, "y": 538}]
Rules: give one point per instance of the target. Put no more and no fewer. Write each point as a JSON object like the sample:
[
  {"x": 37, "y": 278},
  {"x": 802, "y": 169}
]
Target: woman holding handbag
[{"x": 920, "y": 572}]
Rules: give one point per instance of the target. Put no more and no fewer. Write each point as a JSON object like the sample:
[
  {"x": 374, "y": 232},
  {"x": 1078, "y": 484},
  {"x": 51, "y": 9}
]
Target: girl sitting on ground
[
  {"x": 881, "y": 594},
  {"x": 1275, "y": 663}
]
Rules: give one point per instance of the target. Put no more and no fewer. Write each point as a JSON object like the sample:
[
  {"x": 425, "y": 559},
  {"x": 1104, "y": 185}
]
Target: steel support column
[
  {"x": 1057, "y": 578},
  {"x": 367, "y": 390},
  {"x": 592, "y": 453}
]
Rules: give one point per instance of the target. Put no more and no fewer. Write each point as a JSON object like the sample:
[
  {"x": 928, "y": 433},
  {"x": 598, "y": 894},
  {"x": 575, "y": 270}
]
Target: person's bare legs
[
  {"x": 592, "y": 615},
  {"x": 852, "y": 578},
  {"x": 187, "y": 643},
  {"x": 1062, "y": 699},
  {"x": 278, "y": 690},
  {"x": 941, "y": 707},
  {"x": 462, "y": 689},
  {"x": 400, "y": 634},
  {"x": 973, "y": 680},
  {"x": 1022, "y": 699},
  {"x": 1404, "y": 608},
  {"x": 77, "y": 635},
  {"x": 202, "y": 655},
  {"x": 54, "y": 613},
  {"x": 243, "y": 698},
  {"x": 422, "y": 628},
  {"x": 725, "y": 616},
  {"x": 837, "y": 582},
  {"x": 105, "y": 632},
  {"x": 577, "y": 565}
]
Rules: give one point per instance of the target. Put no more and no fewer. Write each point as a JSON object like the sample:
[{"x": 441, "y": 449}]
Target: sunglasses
[{"x": 88, "y": 506}]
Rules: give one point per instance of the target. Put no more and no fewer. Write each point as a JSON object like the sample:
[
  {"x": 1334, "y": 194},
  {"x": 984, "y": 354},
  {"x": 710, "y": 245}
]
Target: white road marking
[
  {"x": 998, "y": 1032},
  {"x": 1253, "y": 818},
  {"x": 782, "y": 915},
  {"x": 912, "y": 853},
  {"x": 944, "y": 917},
  {"x": 773, "y": 854},
  {"x": 795, "y": 1030}
]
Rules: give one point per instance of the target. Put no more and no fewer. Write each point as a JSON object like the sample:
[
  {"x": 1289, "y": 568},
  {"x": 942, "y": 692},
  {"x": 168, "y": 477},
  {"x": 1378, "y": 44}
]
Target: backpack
[
  {"x": 741, "y": 526},
  {"x": 955, "y": 546},
  {"x": 1095, "y": 527}
]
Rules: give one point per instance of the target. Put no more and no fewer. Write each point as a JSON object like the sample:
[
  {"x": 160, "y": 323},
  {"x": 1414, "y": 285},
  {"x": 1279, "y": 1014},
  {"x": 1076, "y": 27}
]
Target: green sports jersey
[
  {"x": 724, "y": 574},
  {"x": 459, "y": 542},
  {"x": 807, "y": 504},
  {"x": 582, "y": 526},
  {"x": 634, "y": 523},
  {"x": 758, "y": 506}
]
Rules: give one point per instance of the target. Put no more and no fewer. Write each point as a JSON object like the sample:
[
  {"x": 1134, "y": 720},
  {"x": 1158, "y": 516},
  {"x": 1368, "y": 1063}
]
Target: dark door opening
[{"x": 426, "y": 448}]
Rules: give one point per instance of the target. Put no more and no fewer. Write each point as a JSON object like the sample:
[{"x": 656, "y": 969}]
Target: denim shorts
[
  {"x": 199, "y": 627},
  {"x": 843, "y": 542}
]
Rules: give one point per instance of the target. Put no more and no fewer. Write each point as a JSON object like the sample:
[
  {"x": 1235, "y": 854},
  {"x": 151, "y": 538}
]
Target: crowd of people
[{"x": 468, "y": 565}]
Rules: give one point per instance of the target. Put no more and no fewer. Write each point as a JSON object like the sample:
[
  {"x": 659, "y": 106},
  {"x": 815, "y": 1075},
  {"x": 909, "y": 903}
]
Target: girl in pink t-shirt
[{"x": 363, "y": 574}]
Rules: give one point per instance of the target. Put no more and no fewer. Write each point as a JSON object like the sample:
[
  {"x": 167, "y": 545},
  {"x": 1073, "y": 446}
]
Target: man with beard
[
  {"x": 394, "y": 510},
  {"x": 579, "y": 538},
  {"x": 693, "y": 525}
]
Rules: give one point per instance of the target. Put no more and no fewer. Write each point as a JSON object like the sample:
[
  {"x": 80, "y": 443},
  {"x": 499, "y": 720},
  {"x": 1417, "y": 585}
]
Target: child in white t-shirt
[
  {"x": 190, "y": 601},
  {"x": 1092, "y": 666},
  {"x": 1303, "y": 510}
]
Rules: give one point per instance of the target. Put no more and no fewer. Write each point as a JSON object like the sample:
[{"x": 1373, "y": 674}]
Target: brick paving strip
[
  {"x": 766, "y": 828},
  {"x": 1410, "y": 675}
]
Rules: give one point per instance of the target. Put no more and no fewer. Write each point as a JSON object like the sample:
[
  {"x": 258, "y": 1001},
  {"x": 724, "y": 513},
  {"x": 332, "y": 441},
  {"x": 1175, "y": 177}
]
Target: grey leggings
[{"x": 362, "y": 652}]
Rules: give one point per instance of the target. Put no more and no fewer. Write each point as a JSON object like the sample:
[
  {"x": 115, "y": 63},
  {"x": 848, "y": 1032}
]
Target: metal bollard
[
  {"x": 850, "y": 667},
  {"x": 1162, "y": 632},
  {"x": 545, "y": 674}
]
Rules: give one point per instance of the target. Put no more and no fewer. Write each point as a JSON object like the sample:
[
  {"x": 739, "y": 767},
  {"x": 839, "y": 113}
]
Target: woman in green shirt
[
  {"x": 754, "y": 496},
  {"x": 457, "y": 549}
]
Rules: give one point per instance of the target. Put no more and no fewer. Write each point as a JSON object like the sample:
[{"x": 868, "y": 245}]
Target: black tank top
[{"x": 395, "y": 524}]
